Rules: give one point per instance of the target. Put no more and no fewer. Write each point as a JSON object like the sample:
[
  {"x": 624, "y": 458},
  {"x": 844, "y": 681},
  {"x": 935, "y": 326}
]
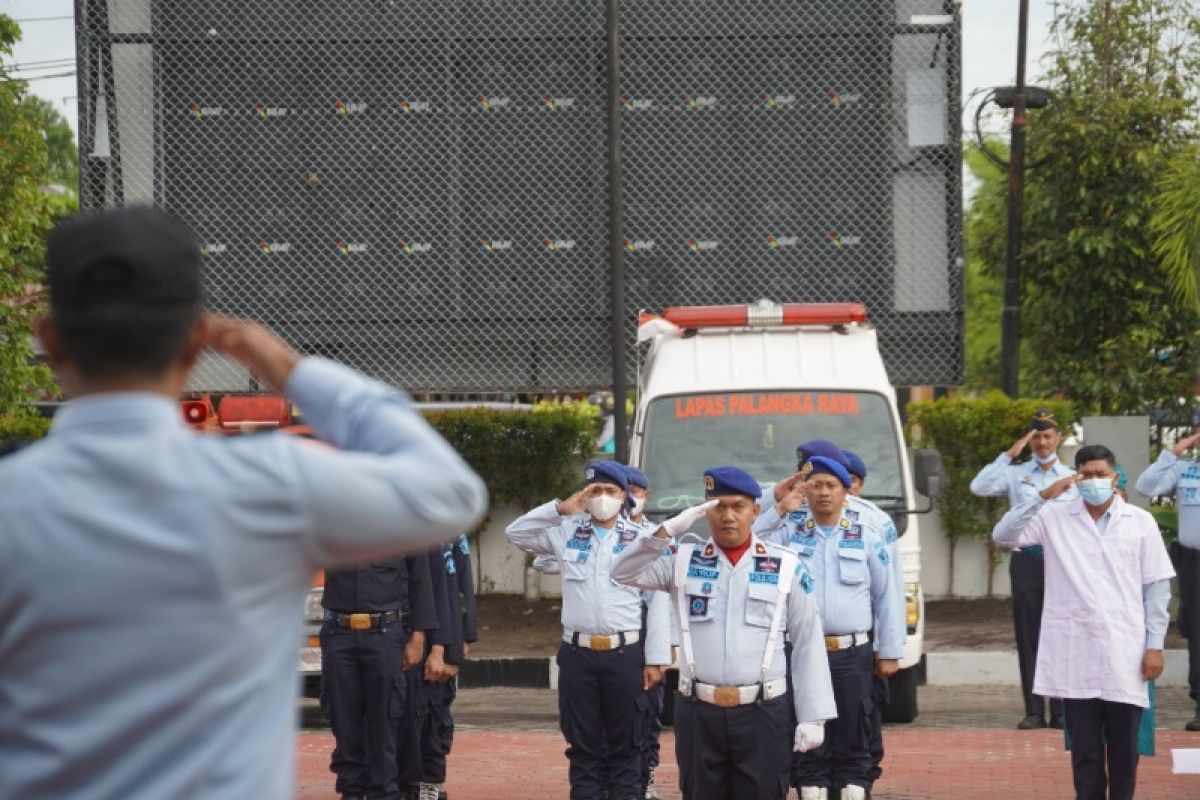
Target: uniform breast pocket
[
  {"x": 760, "y": 603},
  {"x": 852, "y": 565},
  {"x": 575, "y": 565}
]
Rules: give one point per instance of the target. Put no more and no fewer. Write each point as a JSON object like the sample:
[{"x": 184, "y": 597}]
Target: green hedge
[
  {"x": 23, "y": 428},
  {"x": 970, "y": 432},
  {"x": 523, "y": 456}
]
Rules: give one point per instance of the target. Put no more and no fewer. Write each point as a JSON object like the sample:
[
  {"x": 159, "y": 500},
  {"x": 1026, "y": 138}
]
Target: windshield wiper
[{"x": 876, "y": 498}]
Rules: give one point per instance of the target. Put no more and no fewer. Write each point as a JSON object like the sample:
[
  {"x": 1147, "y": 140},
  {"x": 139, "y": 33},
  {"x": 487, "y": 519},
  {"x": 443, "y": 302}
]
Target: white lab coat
[{"x": 1094, "y": 624}]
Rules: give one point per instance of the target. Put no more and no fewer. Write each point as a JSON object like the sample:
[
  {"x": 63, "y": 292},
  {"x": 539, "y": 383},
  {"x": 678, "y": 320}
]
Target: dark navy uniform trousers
[
  {"x": 1102, "y": 732},
  {"x": 1027, "y": 575},
  {"x": 845, "y": 757},
  {"x": 602, "y": 711},
  {"x": 427, "y": 732},
  {"x": 740, "y": 752},
  {"x": 1187, "y": 566},
  {"x": 363, "y": 696},
  {"x": 654, "y": 699}
]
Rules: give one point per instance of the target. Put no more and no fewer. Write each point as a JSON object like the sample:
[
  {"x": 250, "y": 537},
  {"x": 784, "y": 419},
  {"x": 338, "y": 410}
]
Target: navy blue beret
[
  {"x": 823, "y": 448},
  {"x": 730, "y": 480},
  {"x": 636, "y": 477},
  {"x": 606, "y": 472},
  {"x": 827, "y": 466},
  {"x": 855, "y": 464}
]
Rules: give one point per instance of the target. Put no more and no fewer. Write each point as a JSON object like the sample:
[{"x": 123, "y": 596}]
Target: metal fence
[{"x": 421, "y": 187}]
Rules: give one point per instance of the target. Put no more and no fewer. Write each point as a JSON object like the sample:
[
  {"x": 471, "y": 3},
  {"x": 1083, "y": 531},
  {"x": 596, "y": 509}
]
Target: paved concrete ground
[{"x": 963, "y": 745}]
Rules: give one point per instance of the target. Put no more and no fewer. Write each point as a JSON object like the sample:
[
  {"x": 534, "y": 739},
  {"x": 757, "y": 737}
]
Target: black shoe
[
  {"x": 1031, "y": 722},
  {"x": 1193, "y": 724},
  {"x": 1056, "y": 722}
]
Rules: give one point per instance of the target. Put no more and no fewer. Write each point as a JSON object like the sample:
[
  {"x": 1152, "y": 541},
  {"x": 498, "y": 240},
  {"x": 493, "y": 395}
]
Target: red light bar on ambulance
[
  {"x": 253, "y": 411},
  {"x": 766, "y": 313}
]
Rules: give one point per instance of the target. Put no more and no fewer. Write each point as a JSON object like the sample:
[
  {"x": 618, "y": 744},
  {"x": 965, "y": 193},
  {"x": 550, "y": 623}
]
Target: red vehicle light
[
  {"x": 766, "y": 314},
  {"x": 253, "y": 411}
]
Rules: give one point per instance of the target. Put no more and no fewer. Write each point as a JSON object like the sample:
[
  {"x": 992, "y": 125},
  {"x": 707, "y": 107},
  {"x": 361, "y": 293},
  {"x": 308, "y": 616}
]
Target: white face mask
[
  {"x": 604, "y": 507},
  {"x": 638, "y": 504},
  {"x": 1044, "y": 460}
]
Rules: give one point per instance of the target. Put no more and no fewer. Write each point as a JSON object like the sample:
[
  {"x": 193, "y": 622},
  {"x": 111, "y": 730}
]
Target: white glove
[
  {"x": 684, "y": 520},
  {"x": 809, "y": 736}
]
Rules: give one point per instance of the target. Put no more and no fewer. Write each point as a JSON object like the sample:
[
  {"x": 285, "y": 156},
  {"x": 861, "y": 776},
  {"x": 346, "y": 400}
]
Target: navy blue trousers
[
  {"x": 1103, "y": 732},
  {"x": 1027, "y": 574},
  {"x": 1187, "y": 566},
  {"x": 881, "y": 695},
  {"x": 845, "y": 757},
  {"x": 727, "y": 753},
  {"x": 363, "y": 695},
  {"x": 426, "y": 731},
  {"x": 654, "y": 699},
  {"x": 602, "y": 711}
]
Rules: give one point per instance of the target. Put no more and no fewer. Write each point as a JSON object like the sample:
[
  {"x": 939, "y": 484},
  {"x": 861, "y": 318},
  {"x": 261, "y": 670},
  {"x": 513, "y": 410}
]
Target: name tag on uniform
[{"x": 701, "y": 572}]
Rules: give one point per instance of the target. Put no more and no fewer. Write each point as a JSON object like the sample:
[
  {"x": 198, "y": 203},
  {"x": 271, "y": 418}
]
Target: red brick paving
[{"x": 933, "y": 763}]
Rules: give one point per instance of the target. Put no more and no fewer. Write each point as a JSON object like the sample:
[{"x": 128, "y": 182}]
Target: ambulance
[{"x": 744, "y": 385}]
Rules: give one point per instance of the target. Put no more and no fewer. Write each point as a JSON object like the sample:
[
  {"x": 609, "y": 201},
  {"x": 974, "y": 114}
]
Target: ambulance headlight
[{"x": 313, "y": 610}]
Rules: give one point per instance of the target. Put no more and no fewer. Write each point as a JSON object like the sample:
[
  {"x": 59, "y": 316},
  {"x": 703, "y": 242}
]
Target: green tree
[
  {"x": 62, "y": 155},
  {"x": 1176, "y": 226},
  {"x": 983, "y": 235},
  {"x": 1097, "y": 315},
  {"x": 26, "y": 213}
]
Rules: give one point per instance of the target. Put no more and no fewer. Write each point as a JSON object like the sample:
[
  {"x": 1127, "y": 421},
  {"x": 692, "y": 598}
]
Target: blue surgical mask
[{"x": 1095, "y": 491}]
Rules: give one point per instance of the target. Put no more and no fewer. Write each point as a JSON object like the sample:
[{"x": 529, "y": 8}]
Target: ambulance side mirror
[{"x": 927, "y": 465}]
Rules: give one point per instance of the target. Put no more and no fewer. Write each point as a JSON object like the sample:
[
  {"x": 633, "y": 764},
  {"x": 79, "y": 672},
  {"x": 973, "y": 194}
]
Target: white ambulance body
[{"x": 744, "y": 385}]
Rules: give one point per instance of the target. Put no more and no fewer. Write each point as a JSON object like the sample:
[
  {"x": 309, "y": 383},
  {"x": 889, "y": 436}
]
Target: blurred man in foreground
[{"x": 150, "y": 579}]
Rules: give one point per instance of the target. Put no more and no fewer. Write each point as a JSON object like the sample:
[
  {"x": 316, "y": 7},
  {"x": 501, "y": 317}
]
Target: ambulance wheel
[{"x": 902, "y": 702}]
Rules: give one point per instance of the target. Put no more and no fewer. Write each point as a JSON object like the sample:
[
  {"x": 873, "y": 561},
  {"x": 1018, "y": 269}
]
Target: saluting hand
[
  {"x": 792, "y": 500},
  {"x": 1059, "y": 487},
  {"x": 252, "y": 345},
  {"x": 684, "y": 520},
  {"x": 786, "y": 486},
  {"x": 1183, "y": 445},
  {"x": 577, "y": 502},
  {"x": 1014, "y": 452}
]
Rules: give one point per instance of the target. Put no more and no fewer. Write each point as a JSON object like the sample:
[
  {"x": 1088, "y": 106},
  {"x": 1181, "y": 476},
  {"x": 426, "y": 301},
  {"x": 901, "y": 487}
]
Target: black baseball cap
[{"x": 134, "y": 256}]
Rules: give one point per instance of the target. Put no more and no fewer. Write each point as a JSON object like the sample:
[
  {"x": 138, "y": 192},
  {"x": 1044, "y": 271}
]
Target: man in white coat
[{"x": 1104, "y": 619}]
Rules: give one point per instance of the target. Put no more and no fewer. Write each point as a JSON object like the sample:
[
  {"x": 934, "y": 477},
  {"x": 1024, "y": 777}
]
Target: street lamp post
[{"x": 1010, "y": 336}]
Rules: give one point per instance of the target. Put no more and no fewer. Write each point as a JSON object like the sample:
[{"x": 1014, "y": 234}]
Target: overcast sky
[{"x": 989, "y": 44}]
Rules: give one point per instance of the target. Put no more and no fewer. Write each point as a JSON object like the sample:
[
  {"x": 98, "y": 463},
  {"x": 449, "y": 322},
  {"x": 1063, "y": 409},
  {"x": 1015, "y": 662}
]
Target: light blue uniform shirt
[
  {"x": 152, "y": 580},
  {"x": 592, "y": 602},
  {"x": 1170, "y": 473},
  {"x": 852, "y": 570},
  {"x": 730, "y": 609}
]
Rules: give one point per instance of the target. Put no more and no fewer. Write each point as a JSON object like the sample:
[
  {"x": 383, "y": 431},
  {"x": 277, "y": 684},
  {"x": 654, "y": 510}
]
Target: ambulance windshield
[{"x": 759, "y": 431}]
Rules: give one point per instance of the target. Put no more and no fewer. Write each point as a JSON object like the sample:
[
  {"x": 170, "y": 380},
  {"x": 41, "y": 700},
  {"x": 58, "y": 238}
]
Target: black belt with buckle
[{"x": 364, "y": 621}]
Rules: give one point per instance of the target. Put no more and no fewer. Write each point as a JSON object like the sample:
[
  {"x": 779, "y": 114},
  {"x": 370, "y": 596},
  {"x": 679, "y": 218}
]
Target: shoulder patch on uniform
[{"x": 882, "y": 554}]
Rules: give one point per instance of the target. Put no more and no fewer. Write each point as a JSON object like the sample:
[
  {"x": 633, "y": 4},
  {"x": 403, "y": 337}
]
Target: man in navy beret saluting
[
  {"x": 735, "y": 597},
  {"x": 602, "y": 704}
]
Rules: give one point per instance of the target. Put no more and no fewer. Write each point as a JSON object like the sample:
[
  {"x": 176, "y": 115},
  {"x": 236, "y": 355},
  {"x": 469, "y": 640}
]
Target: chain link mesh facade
[{"x": 421, "y": 187}]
